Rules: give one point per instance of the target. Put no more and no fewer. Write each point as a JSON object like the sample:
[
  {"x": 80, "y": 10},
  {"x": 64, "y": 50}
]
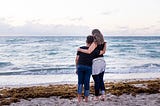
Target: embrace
[{"x": 90, "y": 61}]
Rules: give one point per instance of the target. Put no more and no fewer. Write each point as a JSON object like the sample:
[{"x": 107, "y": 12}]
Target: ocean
[{"x": 44, "y": 56}]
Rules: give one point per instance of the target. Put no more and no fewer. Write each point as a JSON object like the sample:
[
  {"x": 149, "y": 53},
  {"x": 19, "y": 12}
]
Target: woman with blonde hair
[{"x": 98, "y": 64}]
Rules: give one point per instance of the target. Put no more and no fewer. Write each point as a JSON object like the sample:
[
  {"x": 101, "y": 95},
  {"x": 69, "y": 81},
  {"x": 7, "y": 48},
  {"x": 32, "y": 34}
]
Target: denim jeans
[
  {"x": 99, "y": 84},
  {"x": 84, "y": 73}
]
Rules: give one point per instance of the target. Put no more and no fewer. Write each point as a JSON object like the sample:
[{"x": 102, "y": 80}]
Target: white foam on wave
[{"x": 30, "y": 80}]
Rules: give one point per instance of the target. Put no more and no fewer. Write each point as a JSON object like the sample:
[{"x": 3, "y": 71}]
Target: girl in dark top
[
  {"x": 84, "y": 68},
  {"x": 98, "y": 67}
]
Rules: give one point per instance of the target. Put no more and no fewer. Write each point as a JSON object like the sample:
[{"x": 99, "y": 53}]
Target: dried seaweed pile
[{"x": 8, "y": 96}]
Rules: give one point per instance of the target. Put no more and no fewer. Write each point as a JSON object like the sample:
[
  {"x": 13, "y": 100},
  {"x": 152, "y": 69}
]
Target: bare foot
[
  {"x": 79, "y": 98},
  {"x": 86, "y": 98},
  {"x": 102, "y": 97},
  {"x": 95, "y": 98}
]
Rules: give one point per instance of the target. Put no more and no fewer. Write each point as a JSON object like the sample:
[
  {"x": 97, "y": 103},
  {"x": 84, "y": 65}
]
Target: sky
[{"x": 79, "y": 17}]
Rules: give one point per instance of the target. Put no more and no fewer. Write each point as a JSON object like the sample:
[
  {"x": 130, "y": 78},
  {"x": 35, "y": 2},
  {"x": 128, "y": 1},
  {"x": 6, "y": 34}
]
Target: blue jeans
[
  {"x": 84, "y": 74},
  {"x": 99, "y": 84}
]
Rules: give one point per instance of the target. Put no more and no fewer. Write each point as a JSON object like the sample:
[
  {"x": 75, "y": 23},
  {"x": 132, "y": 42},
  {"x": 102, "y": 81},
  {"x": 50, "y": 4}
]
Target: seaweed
[{"x": 69, "y": 91}]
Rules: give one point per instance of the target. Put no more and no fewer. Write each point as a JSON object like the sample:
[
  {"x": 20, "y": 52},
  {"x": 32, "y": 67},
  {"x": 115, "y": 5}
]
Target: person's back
[
  {"x": 100, "y": 47},
  {"x": 86, "y": 59}
]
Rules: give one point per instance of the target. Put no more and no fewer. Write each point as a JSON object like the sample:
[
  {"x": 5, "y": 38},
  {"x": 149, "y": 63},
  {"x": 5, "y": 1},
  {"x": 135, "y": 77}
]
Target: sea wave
[
  {"x": 40, "y": 71},
  {"x": 4, "y": 64},
  {"x": 43, "y": 55},
  {"x": 145, "y": 68}
]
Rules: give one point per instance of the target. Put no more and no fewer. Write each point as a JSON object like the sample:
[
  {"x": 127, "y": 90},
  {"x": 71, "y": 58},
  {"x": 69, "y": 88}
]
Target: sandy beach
[
  {"x": 120, "y": 93},
  {"x": 111, "y": 100}
]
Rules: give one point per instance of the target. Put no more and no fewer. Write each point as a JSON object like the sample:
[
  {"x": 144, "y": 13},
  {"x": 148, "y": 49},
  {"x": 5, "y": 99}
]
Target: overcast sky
[{"x": 79, "y": 17}]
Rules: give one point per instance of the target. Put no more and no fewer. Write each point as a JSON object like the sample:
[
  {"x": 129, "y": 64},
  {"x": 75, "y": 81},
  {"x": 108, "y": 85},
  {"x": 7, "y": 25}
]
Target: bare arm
[
  {"x": 89, "y": 50},
  {"x": 104, "y": 49},
  {"x": 76, "y": 61}
]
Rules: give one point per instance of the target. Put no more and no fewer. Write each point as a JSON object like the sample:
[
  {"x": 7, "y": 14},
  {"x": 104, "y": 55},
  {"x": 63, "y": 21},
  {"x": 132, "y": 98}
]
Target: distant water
[{"x": 48, "y": 55}]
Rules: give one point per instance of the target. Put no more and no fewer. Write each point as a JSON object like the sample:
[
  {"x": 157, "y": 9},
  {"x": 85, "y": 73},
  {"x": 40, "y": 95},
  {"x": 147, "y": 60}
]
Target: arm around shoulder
[
  {"x": 104, "y": 49},
  {"x": 89, "y": 50}
]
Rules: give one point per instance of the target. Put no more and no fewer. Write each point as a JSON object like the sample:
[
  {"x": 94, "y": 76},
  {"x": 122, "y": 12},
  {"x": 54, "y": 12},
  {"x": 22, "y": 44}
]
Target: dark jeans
[
  {"x": 84, "y": 74},
  {"x": 99, "y": 83}
]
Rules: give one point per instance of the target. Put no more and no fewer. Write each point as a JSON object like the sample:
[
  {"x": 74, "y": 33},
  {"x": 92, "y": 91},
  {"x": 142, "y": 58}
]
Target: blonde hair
[{"x": 98, "y": 38}]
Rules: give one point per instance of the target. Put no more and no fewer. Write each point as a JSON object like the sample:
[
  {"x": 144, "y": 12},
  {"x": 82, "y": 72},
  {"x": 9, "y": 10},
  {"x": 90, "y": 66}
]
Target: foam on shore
[{"x": 30, "y": 80}]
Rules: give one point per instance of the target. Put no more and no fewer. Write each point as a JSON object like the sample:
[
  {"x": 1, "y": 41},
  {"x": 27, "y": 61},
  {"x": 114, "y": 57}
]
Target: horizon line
[{"x": 73, "y": 35}]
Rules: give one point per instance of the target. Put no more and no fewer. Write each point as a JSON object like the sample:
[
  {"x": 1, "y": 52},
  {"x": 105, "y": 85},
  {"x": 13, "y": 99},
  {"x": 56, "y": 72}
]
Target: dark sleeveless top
[
  {"x": 100, "y": 47},
  {"x": 86, "y": 59}
]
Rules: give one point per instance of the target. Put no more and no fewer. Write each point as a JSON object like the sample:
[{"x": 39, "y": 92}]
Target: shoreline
[
  {"x": 38, "y": 80},
  {"x": 116, "y": 92}
]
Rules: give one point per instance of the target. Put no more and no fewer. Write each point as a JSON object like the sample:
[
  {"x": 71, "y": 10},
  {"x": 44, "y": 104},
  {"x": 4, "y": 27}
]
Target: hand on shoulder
[{"x": 79, "y": 49}]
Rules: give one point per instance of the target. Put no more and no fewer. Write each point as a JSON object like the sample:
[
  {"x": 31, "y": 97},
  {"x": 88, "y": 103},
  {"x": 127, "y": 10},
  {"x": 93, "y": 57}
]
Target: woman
[{"x": 98, "y": 67}]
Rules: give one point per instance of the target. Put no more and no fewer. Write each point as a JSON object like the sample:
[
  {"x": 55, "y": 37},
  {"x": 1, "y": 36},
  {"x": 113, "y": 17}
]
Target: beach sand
[
  {"x": 111, "y": 100},
  {"x": 123, "y": 93}
]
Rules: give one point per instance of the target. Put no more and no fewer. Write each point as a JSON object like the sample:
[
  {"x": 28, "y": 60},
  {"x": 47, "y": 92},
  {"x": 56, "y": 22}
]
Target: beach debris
[{"x": 69, "y": 91}]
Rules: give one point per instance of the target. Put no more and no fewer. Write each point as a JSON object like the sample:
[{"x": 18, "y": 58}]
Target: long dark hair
[
  {"x": 94, "y": 31},
  {"x": 98, "y": 37}
]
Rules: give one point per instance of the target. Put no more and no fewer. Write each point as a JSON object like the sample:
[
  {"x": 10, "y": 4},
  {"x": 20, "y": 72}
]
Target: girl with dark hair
[{"x": 84, "y": 68}]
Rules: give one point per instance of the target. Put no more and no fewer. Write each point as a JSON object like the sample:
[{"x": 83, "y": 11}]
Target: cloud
[
  {"x": 109, "y": 12},
  {"x": 32, "y": 28},
  {"x": 123, "y": 27},
  {"x": 126, "y": 30},
  {"x": 144, "y": 28},
  {"x": 106, "y": 13},
  {"x": 5, "y": 28},
  {"x": 35, "y": 28},
  {"x": 76, "y": 19},
  {"x": 158, "y": 22}
]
